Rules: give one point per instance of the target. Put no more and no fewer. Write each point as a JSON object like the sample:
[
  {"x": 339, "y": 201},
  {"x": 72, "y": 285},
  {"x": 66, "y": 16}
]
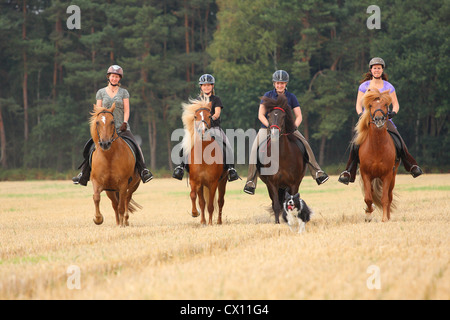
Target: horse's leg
[
  {"x": 385, "y": 198},
  {"x": 202, "y": 204},
  {"x": 212, "y": 193},
  {"x": 98, "y": 218},
  {"x": 275, "y": 202},
  {"x": 122, "y": 206},
  {"x": 368, "y": 196},
  {"x": 193, "y": 195},
  {"x": 221, "y": 200},
  {"x": 115, "y": 203}
]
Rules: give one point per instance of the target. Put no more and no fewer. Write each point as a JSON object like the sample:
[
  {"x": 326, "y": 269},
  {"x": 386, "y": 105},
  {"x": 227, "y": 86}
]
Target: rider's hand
[{"x": 123, "y": 127}]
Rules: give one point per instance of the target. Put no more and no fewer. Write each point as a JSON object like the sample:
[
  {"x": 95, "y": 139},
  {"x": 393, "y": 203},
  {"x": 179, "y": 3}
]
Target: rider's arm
[
  {"x": 216, "y": 114},
  {"x": 262, "y": 115},
  {"x": 298, "y": 116},
  {"x": 395, "y": 105},
  {"x": 359, "y": 107},
  {"x": 126, "y": 110}
]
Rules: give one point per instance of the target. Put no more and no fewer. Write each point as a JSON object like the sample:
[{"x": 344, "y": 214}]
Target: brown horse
[
  {"x": 377, "y": 154},
  {"x": 113, "y": 167},
  {"x": 206, "y": 168},
  {"x": 286, "y": 158}
]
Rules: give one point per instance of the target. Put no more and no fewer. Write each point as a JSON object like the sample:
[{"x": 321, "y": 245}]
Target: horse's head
[
  {"x": 103, "y": 129},
  {"x": 378, "y": 104},
  {"x": 279, "y": 116},
  {"x": 202, "y": 120}
]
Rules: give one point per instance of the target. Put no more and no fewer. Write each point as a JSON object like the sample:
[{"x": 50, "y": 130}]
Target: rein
[{"x": 112, "y": 139}]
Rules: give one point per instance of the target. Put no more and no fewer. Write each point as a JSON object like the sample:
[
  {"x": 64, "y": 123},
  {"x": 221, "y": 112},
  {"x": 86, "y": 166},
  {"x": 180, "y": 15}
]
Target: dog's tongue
[{"x": 290, "y": 207}]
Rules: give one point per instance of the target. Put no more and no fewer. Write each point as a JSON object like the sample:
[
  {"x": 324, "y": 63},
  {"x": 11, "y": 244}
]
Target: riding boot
[
  {"x": 229, "y": 167},
  {"x": 349, "y": 175},
  {"x": 408, "y": 161},
  {"x": 84, "y": 176},
  {"x": 178, "y": 172}
]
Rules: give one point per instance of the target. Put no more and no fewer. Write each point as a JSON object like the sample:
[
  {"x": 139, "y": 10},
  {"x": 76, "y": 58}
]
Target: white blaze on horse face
[
  {"x": 203, "y": 119},
  {"x": 104, "y": 119}
]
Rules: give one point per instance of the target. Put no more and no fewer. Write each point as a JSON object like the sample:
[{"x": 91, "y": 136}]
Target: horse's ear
[
  {"x": 210, "y": 105},
  {"x": 113, "y": 107}
]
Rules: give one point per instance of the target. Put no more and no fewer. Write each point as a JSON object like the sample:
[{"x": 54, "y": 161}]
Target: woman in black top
[{"x": 206, "y": 83}]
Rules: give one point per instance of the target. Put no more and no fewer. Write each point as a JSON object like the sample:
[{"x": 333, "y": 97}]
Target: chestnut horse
[
  {"x": 286, "y": 157},
  {"x": 377, "y": 154},
  {"x": 113, "y": 167},
  {"x": 206, "y": 168}
]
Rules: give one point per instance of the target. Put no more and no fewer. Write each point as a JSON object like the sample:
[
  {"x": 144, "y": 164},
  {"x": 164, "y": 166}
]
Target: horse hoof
[
  {"x": 98, "y": 222},
  {"x": 195, "y": 214}
]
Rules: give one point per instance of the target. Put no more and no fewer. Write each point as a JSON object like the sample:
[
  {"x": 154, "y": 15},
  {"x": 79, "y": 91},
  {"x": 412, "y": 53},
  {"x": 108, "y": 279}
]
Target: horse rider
[
  {"x": 376, "y": 78},
  {"x": 280, "y": 80},
  {"x": 113, "y": 93},
  {"x": 206, "y": 83}
]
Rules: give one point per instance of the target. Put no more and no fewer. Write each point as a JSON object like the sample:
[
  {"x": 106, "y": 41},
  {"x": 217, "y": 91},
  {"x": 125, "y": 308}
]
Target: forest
[{"x": 54, "y": 59}]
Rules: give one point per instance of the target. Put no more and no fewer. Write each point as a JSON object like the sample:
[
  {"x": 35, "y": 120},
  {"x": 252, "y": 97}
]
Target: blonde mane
[
  {"x": 362, "y": 127},
  {"x": 189, "y": 110}
]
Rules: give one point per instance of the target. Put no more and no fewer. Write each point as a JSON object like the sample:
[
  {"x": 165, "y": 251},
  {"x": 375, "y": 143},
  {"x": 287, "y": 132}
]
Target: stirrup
[
  {"x": 321, "y": 179},
  {"x": 248, "y": 189},
  {"x": 344, "y": 177},
  {"x": 178, "y": 173},
  {"x": 76, "y": 180},
  {"x": 146, "y": 175},
  {"x": 415, "y": 171},
  {"x": 232, "y": 174}
]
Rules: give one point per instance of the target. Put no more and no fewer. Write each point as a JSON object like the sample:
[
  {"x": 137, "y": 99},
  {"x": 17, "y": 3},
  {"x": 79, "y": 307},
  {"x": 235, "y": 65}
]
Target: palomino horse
[
  {"x": 113, "y": 167},
  {"x": 206, "y": 168},
  {"x": 377, "y": 154},
  {"x": 289, "y": 160}
]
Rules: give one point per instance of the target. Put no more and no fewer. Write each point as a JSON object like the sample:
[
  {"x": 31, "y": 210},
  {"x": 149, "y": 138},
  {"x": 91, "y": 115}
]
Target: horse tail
[
  {"x": 377, "y": 192},
  {"x": 377, "y": 187},
  {"x": 133, "y": 206},
  {"x": 206, "y": 193}
]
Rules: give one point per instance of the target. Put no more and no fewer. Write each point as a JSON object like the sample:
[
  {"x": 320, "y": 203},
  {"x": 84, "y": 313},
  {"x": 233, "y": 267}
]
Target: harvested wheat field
[{"x": 51, "y": 249}]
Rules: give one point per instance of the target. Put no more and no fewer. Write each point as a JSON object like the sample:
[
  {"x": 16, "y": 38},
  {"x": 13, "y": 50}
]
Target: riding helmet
[
  {"x": 116, "y": 70},
  {"x": 376, "y": 60},
  {"x": 280, "y": 76},
  {"x": 206, "y": 78}
]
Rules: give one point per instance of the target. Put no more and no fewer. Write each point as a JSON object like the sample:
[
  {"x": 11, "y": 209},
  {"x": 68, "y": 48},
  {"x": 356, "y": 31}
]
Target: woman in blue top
[
  {"x": 377, "y": 79},
  {"x": 280, "y": 80}
]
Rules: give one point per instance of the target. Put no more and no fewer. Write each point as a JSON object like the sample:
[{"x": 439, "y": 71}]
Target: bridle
[
  {"x": 378, "y": 122},
  {"x": 112, "y": 139},
  {"x": 208, "y": 125},
  {"x": 274, "y": 125}
]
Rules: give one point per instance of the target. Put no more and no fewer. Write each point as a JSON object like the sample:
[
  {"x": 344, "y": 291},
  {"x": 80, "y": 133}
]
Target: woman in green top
[{"x": 106, "y": 97}]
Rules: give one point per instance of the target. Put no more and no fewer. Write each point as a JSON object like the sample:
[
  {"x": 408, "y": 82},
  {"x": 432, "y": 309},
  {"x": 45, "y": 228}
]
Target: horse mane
[
  {"x": 362, "y": 126},
  {"x": 189, "y": 110},
  {"x": 281, "y": 102}
]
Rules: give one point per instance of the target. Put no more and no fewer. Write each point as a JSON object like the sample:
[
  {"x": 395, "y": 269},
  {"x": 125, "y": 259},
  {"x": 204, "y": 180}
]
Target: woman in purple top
[{"x": 377, "y": 79}]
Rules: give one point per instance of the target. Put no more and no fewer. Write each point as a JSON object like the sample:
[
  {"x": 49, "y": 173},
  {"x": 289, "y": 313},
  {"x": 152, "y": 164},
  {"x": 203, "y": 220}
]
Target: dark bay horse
[
  {"x": 377, "y": 154},
  {"x": 113, "y": 167},
  {"x": 285, "y": 155},
  {"x": 206, "y": 169}
]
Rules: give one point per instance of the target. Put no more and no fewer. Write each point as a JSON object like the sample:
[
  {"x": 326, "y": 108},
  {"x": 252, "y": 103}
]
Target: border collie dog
[{"x": 297, "y": 212}]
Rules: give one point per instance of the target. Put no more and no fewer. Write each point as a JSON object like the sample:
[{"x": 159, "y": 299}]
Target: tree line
[{"x": 49, "y": 73}]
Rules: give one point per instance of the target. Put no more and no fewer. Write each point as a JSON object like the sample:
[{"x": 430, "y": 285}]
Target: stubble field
[{"x": 51, "y": 249}]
